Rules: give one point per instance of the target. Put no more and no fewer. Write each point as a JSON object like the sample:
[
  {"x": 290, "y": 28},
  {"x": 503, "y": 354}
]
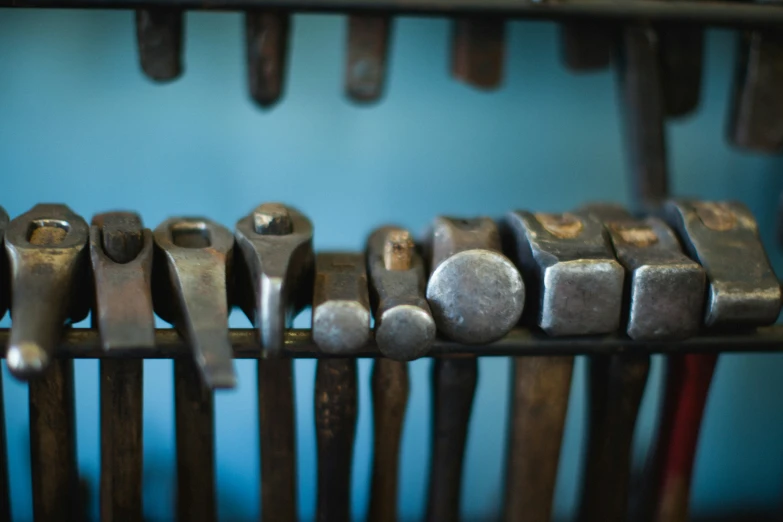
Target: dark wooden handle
[
  {"x": 585, "y": 46},
  {"x": 336, "y": 406},
  {"x": 453, "y": 388},
  {"x": 390, "y": 389},
  {"x": 277, "y": 431},
  {"x": 616, "y": 385},
  {"x": 539, "y": 403},
  {"x": 195, "y": 427}
]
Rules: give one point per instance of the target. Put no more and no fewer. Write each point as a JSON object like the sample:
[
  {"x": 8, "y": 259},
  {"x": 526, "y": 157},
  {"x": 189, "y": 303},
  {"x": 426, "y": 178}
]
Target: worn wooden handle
[
  {"x": 453, "y": 388},
  {"x": 335, "y": 424},
  {"x": 539, "y": 403}
]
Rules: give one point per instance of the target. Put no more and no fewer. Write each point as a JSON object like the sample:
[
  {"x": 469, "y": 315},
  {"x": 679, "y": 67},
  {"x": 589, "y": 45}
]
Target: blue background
[{"x": 80, "y": 124}]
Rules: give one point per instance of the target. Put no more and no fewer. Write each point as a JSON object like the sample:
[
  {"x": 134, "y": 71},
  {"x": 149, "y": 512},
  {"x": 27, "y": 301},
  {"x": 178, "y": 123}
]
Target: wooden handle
[
  {"x": 539, "y": 403},
  {"x": 335, "y": 424},
  {"x": 616, "y": 385},
  {"x": 390, "y": 389},
  {"x": 453, "y": 388}
]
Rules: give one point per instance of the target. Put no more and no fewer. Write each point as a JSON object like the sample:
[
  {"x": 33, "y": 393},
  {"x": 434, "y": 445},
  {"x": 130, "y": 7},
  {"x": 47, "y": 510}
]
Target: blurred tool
[
  {"x": 266, "y": 34},
  {"x": 757, "y": 114},
  {"x": 192, "y": 291},
  {"x": 368, "y": 43},
  {"x": 453, "y": 387},
  {"x": 478, "y": 49},
  {"x": 643, "y": 113},
  {"x": 335, "y": 426},
  {"x": 574, "y": 288},
  {"x": 274, "y": 283},
  {"x": 341, "y": 303},
  {"x": 665, "y": 288},
  {"x": 5, "y": 492},
  {"x": 159, "y": 38},
  {"x": 585, "y": 46},
  {"x": 404, "y": 327},
  {"x": 390, "y": 390},
  {"x": 47, "y": 247},
  {"x": 121, "y": 252},
  {"x": 475, "y": 292},
  {"x": 680, "y": 48}
]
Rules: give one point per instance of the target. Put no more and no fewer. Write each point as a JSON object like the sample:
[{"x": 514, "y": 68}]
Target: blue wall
[{"x": 79, "y": 124}]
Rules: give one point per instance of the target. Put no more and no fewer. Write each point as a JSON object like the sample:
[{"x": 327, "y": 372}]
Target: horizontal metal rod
[
  {"x": 724, "y": 13},
  {"x": 85, "y": 344}
]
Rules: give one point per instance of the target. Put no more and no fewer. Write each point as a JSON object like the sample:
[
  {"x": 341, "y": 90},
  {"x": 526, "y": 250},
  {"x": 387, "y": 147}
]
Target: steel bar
[
  {"x": 85, "y": 344},
  {"x": 730, "y": 14}
]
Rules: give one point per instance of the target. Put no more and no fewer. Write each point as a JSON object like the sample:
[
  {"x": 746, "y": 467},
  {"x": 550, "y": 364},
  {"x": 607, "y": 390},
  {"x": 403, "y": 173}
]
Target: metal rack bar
[
  {"x": 732, "y": 14},
  {"x": 85, "y": 344}
]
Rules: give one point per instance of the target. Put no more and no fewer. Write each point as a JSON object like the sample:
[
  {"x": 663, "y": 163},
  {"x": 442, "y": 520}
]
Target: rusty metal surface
[
  {"x": 756, "y": 121},
  {"x": 266, "y": 40},
  {"x": 55, "y": 481},
  {"x": 336, "y": 404},
  {"x": 478, "y": 49},
  {"x": 277, "y": 434},
  {"x": 586, "y": 47},
  {"x": 476, "y": 294},
  {"x": 390, "y": 389},
  {"x": 47, "y": 251},
  {"x": 642, "y": 99},
  {"x": 368, "y": 46},
  {"x": 681, "y": 50},
  {"x": 159, "y": 39},
  {"x": 539, "y": 403},
  {"x": 453, "y": 388},
  {"x": 194, "y": 413},
  {"x": 192, "y": 280},
  {"x": 341, "y": 303},
  {"x": 615, "y": 389},
  {"x": 404, "y": 326}
]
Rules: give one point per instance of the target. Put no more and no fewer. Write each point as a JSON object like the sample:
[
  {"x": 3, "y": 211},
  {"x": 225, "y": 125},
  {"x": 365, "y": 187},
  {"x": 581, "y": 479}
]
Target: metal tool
[
  {"x": 404, "y": 327},
  {"x": 159, "y": 38},
  {"x": 681, "y": 49},
  {"x": 478, "y": 48},
  {"x": 574, "y": 288},
  {"x": 121, "y": 251},
  {"x": 585, "y": 46},
  {"x": 756, "y": 115},
  {"x": 475, "y": 292},
  {"x": 390, "y": 390},
  {"x": 453, "y": 389},
  {"x": 742, "y": 292},
  {"x": 368, "y": 43},
  {"x": 643, "y": 108},
  {"x": 274, "y": 282},
  {"x": 335, "y": 424},
  {"x": 47, "y": 251},
  {"x": 665, "y": 288},
  {"x": 193, "y": 281},
  {"x": 341, "y": 303},
  {"x": 47, "y": 247},
  {"x": 266, "y": 34}
]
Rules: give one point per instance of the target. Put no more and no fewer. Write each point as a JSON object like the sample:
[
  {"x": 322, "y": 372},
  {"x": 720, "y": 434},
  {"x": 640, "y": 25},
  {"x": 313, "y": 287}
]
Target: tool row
[
  {"x": 597, "y": 270},
  {"x": 660, "y": 66}
]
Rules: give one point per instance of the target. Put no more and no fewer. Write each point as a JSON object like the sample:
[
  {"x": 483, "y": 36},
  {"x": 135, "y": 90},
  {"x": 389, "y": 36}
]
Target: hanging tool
[
  {"x": 643, "y": 114},
  {"x": 274, "y": 282},
  {"x": 475, "y": 292},
  {"x": 585, "y": 46},
  {"x": 266, "y": 35},
  {"x": 404, "y": 327},
  {"x": 575, "y": 287},
  {"x": 159, "y": 39},
  {"x": 681, "y": 49},
  {"x": 47, "y": 250},
  {"x": 341, "y": 303},
  {"x": 368, "y": 44},
  {"x": 742, "y": 292},
  {"x": 453, "y": 388},
  {"x": 756, "y": 115},
  {"x": 478, "y": 48},
  {"x": 121, "y": 251}
]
